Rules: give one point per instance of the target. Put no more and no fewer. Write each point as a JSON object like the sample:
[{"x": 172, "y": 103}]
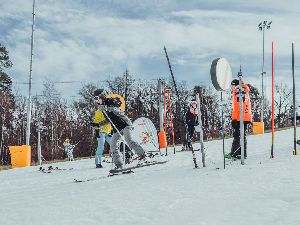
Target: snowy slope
[{"x": 264, "y": 191}]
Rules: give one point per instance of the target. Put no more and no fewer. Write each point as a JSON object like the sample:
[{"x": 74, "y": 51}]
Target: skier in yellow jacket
[{"x": 103, "y": 129}]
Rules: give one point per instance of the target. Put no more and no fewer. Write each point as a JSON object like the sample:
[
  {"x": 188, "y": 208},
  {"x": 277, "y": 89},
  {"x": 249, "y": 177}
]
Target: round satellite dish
[{"x": 221, "y": 75}]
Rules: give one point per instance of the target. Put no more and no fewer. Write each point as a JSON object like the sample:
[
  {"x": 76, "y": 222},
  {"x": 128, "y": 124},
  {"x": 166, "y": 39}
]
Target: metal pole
[
  {"x": 262, "y": 79},
  {"x": 30, "y": 79},
  {"x": 294, "y": 103},
  {"x": 223, "y": 130},
  {"x": 273, "y": 108},
  {"x": 241, "y": 117},
  {"x": 201, "y": 130},
  {"x": 160, "y": 108},
  {"x": 126, "y": 88},
  {"x": 52, "y": 139},
  {"x": 39, "y": 145},
  {"x": 171, "y": 73}
]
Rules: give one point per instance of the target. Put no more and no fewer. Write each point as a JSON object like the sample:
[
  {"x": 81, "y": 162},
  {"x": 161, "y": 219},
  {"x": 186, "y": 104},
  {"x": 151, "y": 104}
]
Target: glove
[
  {"x": 94, "y": 125},
  {"x": 102, "y": 107}
]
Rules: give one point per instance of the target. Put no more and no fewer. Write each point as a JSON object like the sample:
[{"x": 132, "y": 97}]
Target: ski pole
[
  {"x": 241, "y": 103},
  {"x": 122, "y": 137},
  {"x": 223, "y": 130},
  {"x": 201, "y": 129},
  {"x": 294, "y": 103}
]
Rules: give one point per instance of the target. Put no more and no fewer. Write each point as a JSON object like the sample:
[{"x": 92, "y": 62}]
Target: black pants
[
  {"x": 236, "y": 145},
  {"x": 190, "y": 130}
]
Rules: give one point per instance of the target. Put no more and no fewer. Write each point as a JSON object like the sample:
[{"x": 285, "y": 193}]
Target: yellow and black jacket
[{"x": 102, "y": 122}]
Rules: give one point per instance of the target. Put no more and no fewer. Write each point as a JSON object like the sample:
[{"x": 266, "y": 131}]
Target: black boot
[
  {"x": 99, "y": 165},
  {"x": 245, "y": 147},
  {"x": 236, "y": 147}
]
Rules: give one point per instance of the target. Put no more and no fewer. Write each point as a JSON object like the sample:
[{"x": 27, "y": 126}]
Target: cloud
[{"x": 89, "y": 40}]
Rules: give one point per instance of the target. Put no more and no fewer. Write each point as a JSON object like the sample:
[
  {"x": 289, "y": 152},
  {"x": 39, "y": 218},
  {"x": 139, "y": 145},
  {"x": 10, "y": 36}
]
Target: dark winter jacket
[
  {"x": 119, "y": 119},
  {"x": 191, "y": 119},
  {"x": 111, "y": 107}
]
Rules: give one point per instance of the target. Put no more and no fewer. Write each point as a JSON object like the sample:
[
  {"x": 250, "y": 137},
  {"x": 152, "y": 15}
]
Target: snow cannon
[
  {"x": 221, "y": 75},
  {"x": 20, "y": 155}
]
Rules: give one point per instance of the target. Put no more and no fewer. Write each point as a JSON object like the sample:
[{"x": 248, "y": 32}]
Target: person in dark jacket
[
  {"x": 191, "y": 120},
  {"x": 122, "y": 127}
]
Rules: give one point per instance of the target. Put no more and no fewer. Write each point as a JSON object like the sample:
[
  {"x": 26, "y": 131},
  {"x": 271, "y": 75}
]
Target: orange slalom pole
[
  {"x": 171, "y": 123},
  {"x": 165, "y": 113}
]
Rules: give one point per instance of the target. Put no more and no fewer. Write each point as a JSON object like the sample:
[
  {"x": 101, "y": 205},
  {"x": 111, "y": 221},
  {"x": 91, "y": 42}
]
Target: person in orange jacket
[{"x": 236, "y": 146}]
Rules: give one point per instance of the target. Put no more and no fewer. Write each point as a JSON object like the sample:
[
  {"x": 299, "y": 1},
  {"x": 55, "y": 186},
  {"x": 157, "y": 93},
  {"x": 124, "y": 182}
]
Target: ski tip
[{"x": 77, "y": 181}]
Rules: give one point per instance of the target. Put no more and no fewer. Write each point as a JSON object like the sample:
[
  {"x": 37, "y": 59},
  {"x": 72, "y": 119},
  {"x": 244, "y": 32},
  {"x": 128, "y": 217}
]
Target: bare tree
[
  {"x": 283, "y": 102},
  {"x": 7, "y": 104}
]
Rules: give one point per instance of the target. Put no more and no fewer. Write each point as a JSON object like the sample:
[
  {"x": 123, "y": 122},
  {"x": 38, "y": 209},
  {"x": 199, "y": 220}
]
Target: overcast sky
[{"x": 90, "y": 40}]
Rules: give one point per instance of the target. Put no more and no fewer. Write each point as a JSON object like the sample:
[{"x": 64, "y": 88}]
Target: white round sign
[
  {"x": 221, "y": 74},
  {"x": 145, "y": 133}
]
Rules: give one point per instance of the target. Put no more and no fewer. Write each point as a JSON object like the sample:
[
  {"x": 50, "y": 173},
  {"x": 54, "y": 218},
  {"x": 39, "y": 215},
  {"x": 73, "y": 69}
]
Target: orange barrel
[
  {"x": 162, "y": 139},
  {"x": 258, "y": 127},
  {"x": 20, "y": 155}
]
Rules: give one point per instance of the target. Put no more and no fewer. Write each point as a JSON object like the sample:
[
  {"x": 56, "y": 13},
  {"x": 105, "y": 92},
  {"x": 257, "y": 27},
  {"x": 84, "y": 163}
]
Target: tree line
[{"x": 59, "y": 119}]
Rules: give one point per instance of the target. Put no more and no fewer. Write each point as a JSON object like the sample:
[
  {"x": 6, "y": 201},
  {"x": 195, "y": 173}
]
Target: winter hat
[
  {"x": 193, "y": 102},
  {"x": 235, "y": 82}
]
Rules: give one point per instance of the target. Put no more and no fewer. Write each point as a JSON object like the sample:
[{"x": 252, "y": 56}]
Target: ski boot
[
  {"x": 99, "y": 165},
  {"x": 143, "y": 159}
]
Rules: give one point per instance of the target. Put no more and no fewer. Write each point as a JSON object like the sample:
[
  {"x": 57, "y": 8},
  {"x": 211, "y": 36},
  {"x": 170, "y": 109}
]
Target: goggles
[{"x": 98, "y": 97}]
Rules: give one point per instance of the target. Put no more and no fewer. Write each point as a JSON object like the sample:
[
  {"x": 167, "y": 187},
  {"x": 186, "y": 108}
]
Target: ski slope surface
[{"x": 264, "y": 191}]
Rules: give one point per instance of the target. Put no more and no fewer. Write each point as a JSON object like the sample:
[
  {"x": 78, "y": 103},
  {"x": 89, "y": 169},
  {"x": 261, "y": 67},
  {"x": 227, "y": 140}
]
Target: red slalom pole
[{"x": 273, "y": 108}]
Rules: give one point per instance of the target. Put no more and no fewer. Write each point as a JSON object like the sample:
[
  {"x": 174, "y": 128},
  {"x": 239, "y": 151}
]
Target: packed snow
[{"x": 264, "y": 191}]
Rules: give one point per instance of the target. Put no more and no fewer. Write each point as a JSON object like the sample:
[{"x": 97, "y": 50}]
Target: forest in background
[{"x": 59, "y": 119}]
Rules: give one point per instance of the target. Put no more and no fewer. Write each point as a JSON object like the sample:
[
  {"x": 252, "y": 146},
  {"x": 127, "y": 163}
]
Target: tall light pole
[
  {"x": 30, "y": 79},
  {"x": 262, "y": 26}
]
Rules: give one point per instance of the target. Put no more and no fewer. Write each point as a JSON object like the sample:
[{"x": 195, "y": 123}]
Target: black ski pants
[
  {"x": 236, "y": 145},
  {"x": 190, "y": 130}
]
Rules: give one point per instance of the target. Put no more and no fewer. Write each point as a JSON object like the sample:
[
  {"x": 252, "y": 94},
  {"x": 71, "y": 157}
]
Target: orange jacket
[{"x": 246, "y": 105}]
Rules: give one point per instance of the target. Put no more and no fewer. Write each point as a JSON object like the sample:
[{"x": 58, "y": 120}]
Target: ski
[
  {"x": 195, "y": 150},
  {"x": 89, "y": 179},
  {"x": 100, "y": 178},
  {"x": 117, "y": 171},
  {"x": 50, "y": 169}
]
